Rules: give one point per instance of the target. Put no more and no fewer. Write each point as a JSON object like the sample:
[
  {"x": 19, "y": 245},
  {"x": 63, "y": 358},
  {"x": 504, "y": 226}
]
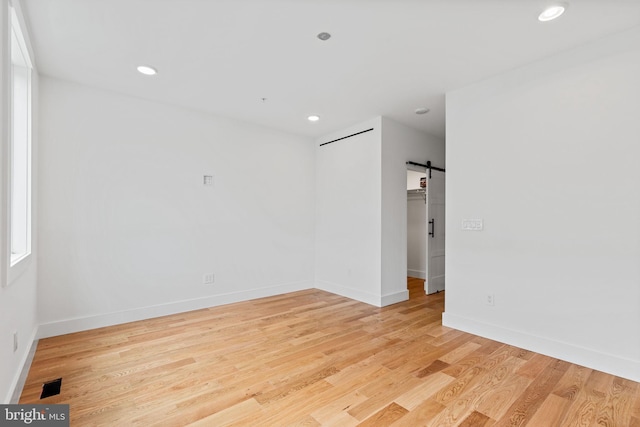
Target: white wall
[
  {"x": 18, "y": 293},
  {"x": 400, "y": 144},
  {"x": 128, "y": 230},
  {"x": 361, "y": 216},
  {"x": 548, "y": 156},
  {"x": 348, "y": 209}
]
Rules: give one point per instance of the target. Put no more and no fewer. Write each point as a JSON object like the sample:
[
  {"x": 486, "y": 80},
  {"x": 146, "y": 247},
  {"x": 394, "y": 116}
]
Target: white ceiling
[{"x": 385, "y": 57}]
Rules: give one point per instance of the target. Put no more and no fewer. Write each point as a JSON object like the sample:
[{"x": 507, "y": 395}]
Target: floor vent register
[{"x": 51, "y": 388}]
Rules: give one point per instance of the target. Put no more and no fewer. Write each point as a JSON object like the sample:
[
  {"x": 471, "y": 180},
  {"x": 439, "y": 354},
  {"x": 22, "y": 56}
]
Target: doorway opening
[
  {"x": 425, "y": 229},
  {"x": 416, "y": 230}
]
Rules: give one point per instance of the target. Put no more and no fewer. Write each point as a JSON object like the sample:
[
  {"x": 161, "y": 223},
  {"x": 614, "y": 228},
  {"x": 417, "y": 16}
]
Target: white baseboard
[
  {"x": 344, "y": 291},
  {"x": 367, "y": 298},
  {"x": 604, "y": 362},
  {"x": 20, "y": 377},
  {"x": 78, "y": 324},
  {"x": 417, "y": 273},
  {"x": 394, "y": 298},
  {"x": 68, "y": 326}
]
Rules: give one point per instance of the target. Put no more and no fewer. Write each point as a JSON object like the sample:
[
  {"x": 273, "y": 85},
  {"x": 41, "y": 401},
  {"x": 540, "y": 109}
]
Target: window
[{"x": 20, "y": 146}]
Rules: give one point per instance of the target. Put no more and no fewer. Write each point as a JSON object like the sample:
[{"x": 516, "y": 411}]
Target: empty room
[{"x": 319, "y": 212}]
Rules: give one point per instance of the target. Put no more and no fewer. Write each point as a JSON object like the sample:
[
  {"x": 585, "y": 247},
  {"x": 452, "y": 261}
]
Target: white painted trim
[
  {"x": 367, "y": 298},
  {"x": 609, "y": 363},
  {"x": 20, "y": 267},
  {"x": 19, "y": 378},
  {"x": 26, "y": 36},
  {"x": 354, "y": 294},
  {"x": 394, "y": 298},
  {"x": 5, "y": 140},
  {"x": 68, "y": 326},
  {"x": 420, "y": 274}
]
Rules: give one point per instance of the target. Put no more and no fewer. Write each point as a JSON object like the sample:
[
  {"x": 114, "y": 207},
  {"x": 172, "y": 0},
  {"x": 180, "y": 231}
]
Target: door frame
[{"x": 429, "y": 170}]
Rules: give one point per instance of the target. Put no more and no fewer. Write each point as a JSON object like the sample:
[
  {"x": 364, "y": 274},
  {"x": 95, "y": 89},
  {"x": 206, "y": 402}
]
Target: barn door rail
[{"x": 427, "y": 166}]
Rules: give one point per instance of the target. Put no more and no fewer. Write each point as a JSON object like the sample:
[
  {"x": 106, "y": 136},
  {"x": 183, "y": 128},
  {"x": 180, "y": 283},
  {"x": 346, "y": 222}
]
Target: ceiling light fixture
[
  {"x": 313, "y": 118},
  {"x": 146, "y": 70},
  {"x": 324, "y": 36},
  {"x": 552, "y": 12},
  {"x": 422, "y": 110}
]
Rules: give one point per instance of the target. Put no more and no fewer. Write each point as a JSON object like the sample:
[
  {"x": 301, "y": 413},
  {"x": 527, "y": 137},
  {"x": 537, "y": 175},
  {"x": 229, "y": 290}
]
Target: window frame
[{"x": 16, "y": 265}]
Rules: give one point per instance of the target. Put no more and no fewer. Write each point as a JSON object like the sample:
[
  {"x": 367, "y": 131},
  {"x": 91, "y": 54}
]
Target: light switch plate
[{"x": 472, "y": 224}]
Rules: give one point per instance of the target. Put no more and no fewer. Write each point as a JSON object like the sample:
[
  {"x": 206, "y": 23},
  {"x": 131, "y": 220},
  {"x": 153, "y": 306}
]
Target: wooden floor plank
[
  {"x": 617, "y": 408},
  {"x": 523, "y": 409},
  {"x": 496, "y": 396},
  {"x": 385, "y": 416},
  {"x": 458, "y": 353},
  {"x": 231, "y": 414},
  {"x": 422, "y": 415},
  {"x": 491, "y": 395},
  {"x": 312, "y": 358},
  {"x": 534, "y": 366},
  {"x": 572, "y": 382},
  {"x": 551, "y": 412},
  {"x": 381, "y": 392},
  {"x": 476, "y": 419},
  {"x": 335, "y": 412},
  {"x": 635, "y": 410},
  {"x": 414, "y": 397}
]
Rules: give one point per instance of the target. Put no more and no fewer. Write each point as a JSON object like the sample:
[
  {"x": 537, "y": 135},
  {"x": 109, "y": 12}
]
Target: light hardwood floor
[{"x": 313, "y": 358}]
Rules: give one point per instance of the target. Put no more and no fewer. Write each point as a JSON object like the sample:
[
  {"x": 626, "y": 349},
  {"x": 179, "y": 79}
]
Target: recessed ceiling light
[
  {"x": 146, "y": 70},
  {"x": 552, "y": 12},
  {"x": 313, "y": 118},
  {"x": 422, "y": 110},
  {"x": 324, "y": 36}
]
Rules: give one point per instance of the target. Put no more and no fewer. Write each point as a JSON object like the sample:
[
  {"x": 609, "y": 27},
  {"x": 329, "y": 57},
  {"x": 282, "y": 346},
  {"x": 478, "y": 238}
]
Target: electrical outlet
[
  {"x": 15, "y": 342},
  {"x": 208, "y": 278},
  {"x": 489, "y": 299}
]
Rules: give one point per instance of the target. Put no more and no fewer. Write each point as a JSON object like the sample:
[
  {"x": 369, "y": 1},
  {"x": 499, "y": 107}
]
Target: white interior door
[{"x": 435, "y": 232}]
